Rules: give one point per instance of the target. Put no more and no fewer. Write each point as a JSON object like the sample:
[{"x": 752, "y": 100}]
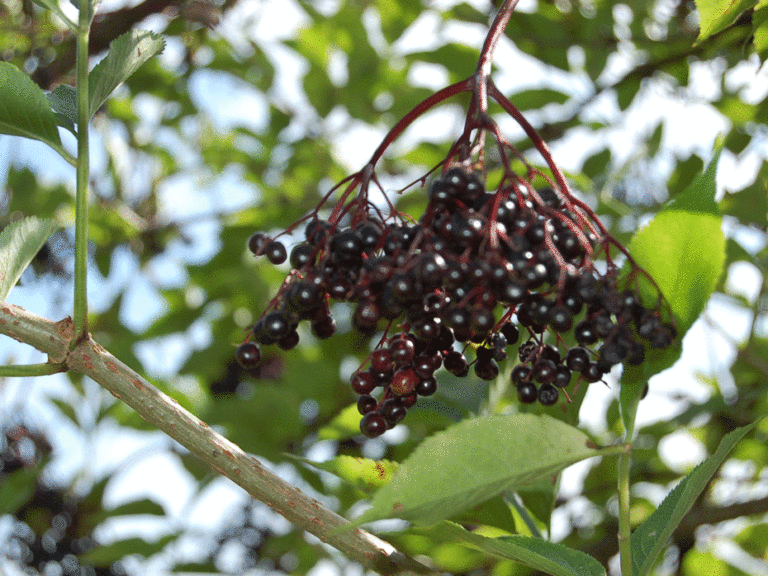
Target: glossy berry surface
[
  {"x": 248, "y": 355},
  {"x": 482, "y": 277}
]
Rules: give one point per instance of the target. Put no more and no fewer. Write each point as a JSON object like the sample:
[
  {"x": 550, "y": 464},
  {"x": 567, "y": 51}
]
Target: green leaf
[
  {"x": 364, "y": 473},
  {"x": 649, "y": 539},
  {"x": 63, "y": 100},
  {"x": 717, "y": 15},
  {"x": 475, "y": 460},
  {"x": 534, "y": 99},
  {"x": 19, "y": 242},
  {"x": 750, "y": 205},
  {"x": 54, "y": 7},
  {"x": 555, "y": 559},
  {"x": 17, "y": 488},
  {"x": 760, "y": 29},
  {"x": 105, "y": 555},
  {"x": 24, "y": 109},
  {"x": 654, "y": 142},
  {"x": 126, "y": 54}
]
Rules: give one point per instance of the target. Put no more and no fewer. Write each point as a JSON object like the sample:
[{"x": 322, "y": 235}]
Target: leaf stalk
[{"x": 80, "y": 315}]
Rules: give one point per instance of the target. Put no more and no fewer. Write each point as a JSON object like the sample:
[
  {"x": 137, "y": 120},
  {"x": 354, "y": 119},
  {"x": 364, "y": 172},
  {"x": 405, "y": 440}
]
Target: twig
[{"x": 228, "y": 459}]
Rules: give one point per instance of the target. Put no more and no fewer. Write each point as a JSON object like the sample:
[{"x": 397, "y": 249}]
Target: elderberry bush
[{"x": 480, "y": 272}]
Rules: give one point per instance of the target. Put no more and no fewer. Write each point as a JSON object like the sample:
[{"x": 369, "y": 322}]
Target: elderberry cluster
[{"x": 442, "y": 280}]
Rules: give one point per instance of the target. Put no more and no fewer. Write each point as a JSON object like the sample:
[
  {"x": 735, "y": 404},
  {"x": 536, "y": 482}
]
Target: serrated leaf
[
  {"x": 651, "y": 536},
  {"x": 19, "y": 242},
  {"x": 63, "y": 100},
  {"x": 476, "y": 460},
  {"x": 717, "y": 15},
  {"x": 24, "y": 109},
  {"x": 684, "y": 250},
  {"x": 549, "y": 557},
  {"x": 126, "y": 54}
]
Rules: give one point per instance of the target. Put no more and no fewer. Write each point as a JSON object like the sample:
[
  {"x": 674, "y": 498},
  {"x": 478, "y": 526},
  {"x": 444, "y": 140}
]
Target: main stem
[
  {"x": 625, "y": 461},
  {"x": 80, "y": 315}
]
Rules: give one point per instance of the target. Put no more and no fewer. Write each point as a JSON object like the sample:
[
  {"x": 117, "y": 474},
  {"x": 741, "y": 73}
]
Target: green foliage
[
  {"x": 475, "y": 460},
  {"x": 649, "y": 538},
  {"x": 19, "y": 242},
  {"x": 287, "y": 165},
  {"x": 716, "y": 15},
  {"x": 24, "y": 110},
  {"x": 537, "y": 553},
  {"x": 125, "y": 55}
]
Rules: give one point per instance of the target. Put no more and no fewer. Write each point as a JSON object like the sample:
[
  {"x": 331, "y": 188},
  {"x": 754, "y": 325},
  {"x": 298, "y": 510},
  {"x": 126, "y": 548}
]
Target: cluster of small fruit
[{"x": 518, "y": 249}]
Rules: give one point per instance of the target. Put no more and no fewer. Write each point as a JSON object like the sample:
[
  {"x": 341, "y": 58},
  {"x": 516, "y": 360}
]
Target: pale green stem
[
  {"x": 625, "y": 461},
  {"x": 529, "y": 522},
  {"x": 26, "y": 370},
  {"x": 80, "y": 315}
]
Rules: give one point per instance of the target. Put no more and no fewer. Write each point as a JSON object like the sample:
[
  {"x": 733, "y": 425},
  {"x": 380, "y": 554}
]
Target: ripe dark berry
[
  {"x": 275, "y": 252},
  {"x": 274, "y": 326},
  {"x": 369, "y": 234},
  {"x": 366, "y": 404},
  {"x": 303, "y": 297},
  {"x": 486, "y": 370},
  {"x": 455, "y": 362},
  {"x": 511, "y": 332},
  {"x": 301, "y": 255},
  {"x": 393, "y": 411},
  {"x": 316, "y": 232},
  {"x": 426, "y": 386},
  {"x": 561, "y": 318},
  {"x": 548, "y": 395},
  {"x": 248, "y": 355},
  {"x": 289, "y": 341},
  {"x": 577, "y": 358},
  {"x": 549, "y": 352},
  {"x": 612, "y": 353},
  {"x": 424, "y": 366},
  {"x": 257, "y": 243},
  {"x": 402, "y": 350},
  {"x": 347, "y": 248},
  {"x": 544, "y": 371},
  {"x": 367, "y": 315},
  {"x": 404, "y": 382},
  {"x": 324, "y": 328},
  {"x": 592, "y": 373},
  {"x": 381, "y": 360},
  {"x": 363, "y": 382},
  {"x": 562, "y": 376},
  {"x": 373, "y": 425},
  {"x": 520, "y": 373},
  {"x": 527, "y": 393},
  {"x": 585, "y": 333}
]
